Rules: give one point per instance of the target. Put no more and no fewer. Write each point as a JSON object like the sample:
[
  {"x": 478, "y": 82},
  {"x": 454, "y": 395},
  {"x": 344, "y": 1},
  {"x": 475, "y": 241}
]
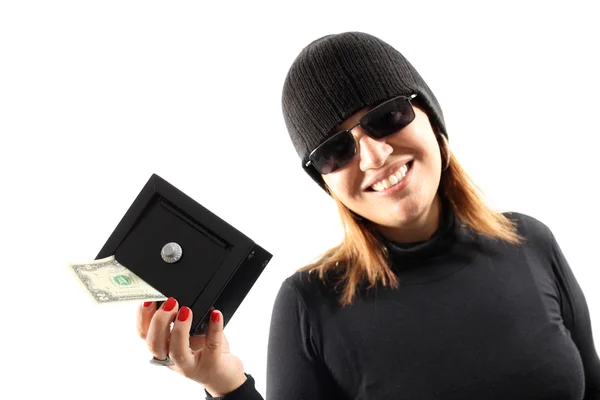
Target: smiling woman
[
  {"x": 386, "y": 163},
  {"x": 407, "y": 211},
  {"x": 430, "y": 294}
]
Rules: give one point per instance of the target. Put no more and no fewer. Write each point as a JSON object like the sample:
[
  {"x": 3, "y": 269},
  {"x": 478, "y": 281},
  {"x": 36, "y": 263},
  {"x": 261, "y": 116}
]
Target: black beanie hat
[{"x": 337, "y": 75}]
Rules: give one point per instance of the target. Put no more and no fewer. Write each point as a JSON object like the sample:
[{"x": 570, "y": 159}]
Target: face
[{"x": 408, "y": 207}]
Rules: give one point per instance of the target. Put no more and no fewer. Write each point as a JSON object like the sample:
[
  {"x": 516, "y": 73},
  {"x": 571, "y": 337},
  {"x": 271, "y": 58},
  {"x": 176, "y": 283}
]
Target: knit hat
[{"x": 337, "y": 75}]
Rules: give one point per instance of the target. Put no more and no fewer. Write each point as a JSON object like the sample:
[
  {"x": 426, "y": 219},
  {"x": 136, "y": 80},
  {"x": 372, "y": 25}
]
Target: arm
[
  {"x": 294, "y": 370},
  {"x": 577, "y": 320}
]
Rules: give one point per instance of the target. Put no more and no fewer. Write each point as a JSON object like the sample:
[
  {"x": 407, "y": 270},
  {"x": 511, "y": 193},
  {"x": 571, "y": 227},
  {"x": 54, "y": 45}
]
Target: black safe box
[{"x": 185, "y": 251}]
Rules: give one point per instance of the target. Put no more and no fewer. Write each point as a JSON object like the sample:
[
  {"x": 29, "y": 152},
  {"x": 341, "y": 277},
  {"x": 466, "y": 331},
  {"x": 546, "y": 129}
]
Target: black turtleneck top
[{"x": 473, "y": 318}]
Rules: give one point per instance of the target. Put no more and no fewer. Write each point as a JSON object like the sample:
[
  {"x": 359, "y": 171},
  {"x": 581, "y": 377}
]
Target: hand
[{"x": 204, "y": 359}]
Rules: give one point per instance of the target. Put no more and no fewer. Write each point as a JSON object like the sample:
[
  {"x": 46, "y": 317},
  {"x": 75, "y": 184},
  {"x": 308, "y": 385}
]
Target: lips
[
  {"x": 392, "y": 171},
  {"x": 398, "y": 187},
  {"x": 387, "y": 173}
]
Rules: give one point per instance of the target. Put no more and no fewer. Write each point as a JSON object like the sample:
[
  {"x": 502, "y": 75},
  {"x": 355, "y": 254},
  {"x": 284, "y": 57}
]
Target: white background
[{"x": 97, "y": 96}]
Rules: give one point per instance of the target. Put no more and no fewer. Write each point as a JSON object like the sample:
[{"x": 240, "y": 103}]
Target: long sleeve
[
  {"x": 294, "y": 369},
  {"x": 577, "y": 320},
  {"x": 246, "y": 391}
]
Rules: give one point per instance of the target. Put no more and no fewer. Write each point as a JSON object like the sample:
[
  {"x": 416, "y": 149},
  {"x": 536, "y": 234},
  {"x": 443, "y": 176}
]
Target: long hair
[{"x": 361, "y": 258}]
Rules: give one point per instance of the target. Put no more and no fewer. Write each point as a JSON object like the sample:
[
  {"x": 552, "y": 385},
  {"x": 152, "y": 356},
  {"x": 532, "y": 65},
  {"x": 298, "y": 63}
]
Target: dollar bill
[{"x": 107, "y": 281}]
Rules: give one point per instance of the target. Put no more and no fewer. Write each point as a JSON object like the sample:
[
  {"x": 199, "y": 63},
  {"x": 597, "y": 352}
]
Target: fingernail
[
  {"x": 147, "y": 303},
  {"x": 215, "y": 316},
  {"x": 169, "y": 304},
  {"x": 184, "y": 313}
]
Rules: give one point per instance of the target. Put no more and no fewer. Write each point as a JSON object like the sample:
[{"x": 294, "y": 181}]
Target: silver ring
[{"x": 165, "y": 363}]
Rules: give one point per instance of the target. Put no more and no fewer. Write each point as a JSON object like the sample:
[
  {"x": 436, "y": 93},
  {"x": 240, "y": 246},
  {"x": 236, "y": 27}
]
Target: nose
[{"x": 372, "y": 152}]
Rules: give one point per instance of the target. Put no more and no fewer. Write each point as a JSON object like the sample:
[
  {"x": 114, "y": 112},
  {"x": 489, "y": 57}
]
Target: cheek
[
  {"x": 345, "y": 186},
  {"x": 432, "y": 166},
  {"x": 427, "y": 149}
]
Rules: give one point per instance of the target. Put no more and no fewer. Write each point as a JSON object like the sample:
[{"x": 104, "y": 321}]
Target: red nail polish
[
  {"x": 215, "y": 316},
  {"x": 147, "y": 303},
  {"x": 169, "y": 304},
  {"x": 184, "y": 313}
]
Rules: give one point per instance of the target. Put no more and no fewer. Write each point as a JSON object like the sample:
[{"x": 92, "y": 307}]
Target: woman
[{"x": 431, "y": 294}]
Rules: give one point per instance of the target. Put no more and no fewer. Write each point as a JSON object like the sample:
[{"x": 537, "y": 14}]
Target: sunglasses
[{"x": 387, "y": 118}]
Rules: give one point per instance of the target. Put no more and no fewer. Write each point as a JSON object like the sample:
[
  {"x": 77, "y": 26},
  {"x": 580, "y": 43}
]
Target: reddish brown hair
[{"x": 361, "y": 258}]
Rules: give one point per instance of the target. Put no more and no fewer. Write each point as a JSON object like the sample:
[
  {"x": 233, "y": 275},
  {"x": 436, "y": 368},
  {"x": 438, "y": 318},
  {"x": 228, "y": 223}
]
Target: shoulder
[
  {"x": 306, "y": 290},
  {"x": 301, "y": 302},
  {"x": 531, "y": 228},
  {"x": 308, "y": 284}
]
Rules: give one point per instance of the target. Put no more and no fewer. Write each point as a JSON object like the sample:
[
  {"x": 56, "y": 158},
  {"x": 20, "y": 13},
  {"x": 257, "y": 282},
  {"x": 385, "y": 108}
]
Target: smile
[{"x": 393, "y": 179}]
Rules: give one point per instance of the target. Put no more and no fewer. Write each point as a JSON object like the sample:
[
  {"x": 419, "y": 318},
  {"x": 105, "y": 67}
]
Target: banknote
[{"x": 107, "y": 281}]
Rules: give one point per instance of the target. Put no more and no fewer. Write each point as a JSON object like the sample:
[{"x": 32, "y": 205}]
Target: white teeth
[{"x": 391, "y": 180}]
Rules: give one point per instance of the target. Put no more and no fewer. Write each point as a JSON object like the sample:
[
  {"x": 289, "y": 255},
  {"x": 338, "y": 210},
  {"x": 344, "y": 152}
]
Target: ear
[{"x": 444, "y": 150}]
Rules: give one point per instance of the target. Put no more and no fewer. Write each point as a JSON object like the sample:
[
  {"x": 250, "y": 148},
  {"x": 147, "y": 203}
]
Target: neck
[{"x": 417, "y": 230}]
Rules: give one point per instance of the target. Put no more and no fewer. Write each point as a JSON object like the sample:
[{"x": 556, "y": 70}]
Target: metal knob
[{"x": 171, "y": 252}]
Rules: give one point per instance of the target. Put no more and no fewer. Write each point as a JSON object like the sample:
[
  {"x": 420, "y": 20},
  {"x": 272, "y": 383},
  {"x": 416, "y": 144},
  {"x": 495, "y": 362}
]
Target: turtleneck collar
[{"x": 442, "y": 254}]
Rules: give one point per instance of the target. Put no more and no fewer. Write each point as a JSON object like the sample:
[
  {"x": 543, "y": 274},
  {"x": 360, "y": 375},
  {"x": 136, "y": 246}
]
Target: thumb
[{"x": 213, "y": 345}]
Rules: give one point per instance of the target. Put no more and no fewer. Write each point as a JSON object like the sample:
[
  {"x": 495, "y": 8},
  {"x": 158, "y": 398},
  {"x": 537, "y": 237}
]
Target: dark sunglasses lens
[
  {"x": 388, "y": 118},
  {"x": 334, "y": 153}
]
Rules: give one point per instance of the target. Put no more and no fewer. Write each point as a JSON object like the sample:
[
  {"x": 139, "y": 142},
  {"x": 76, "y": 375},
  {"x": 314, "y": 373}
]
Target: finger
[
  {"x": 160, "y": 329},
  {"x": 144, "y": 316},
  {"x": 179, "y": 347},
  {"x": 214, "y": 338},
  {"x": 197, "y": 342}
]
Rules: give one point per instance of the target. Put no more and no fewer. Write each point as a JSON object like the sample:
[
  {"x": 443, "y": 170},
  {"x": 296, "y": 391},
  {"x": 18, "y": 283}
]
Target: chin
[
  {"x": 407, "y": 209},
  {"x": 393, "y": 221}
]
